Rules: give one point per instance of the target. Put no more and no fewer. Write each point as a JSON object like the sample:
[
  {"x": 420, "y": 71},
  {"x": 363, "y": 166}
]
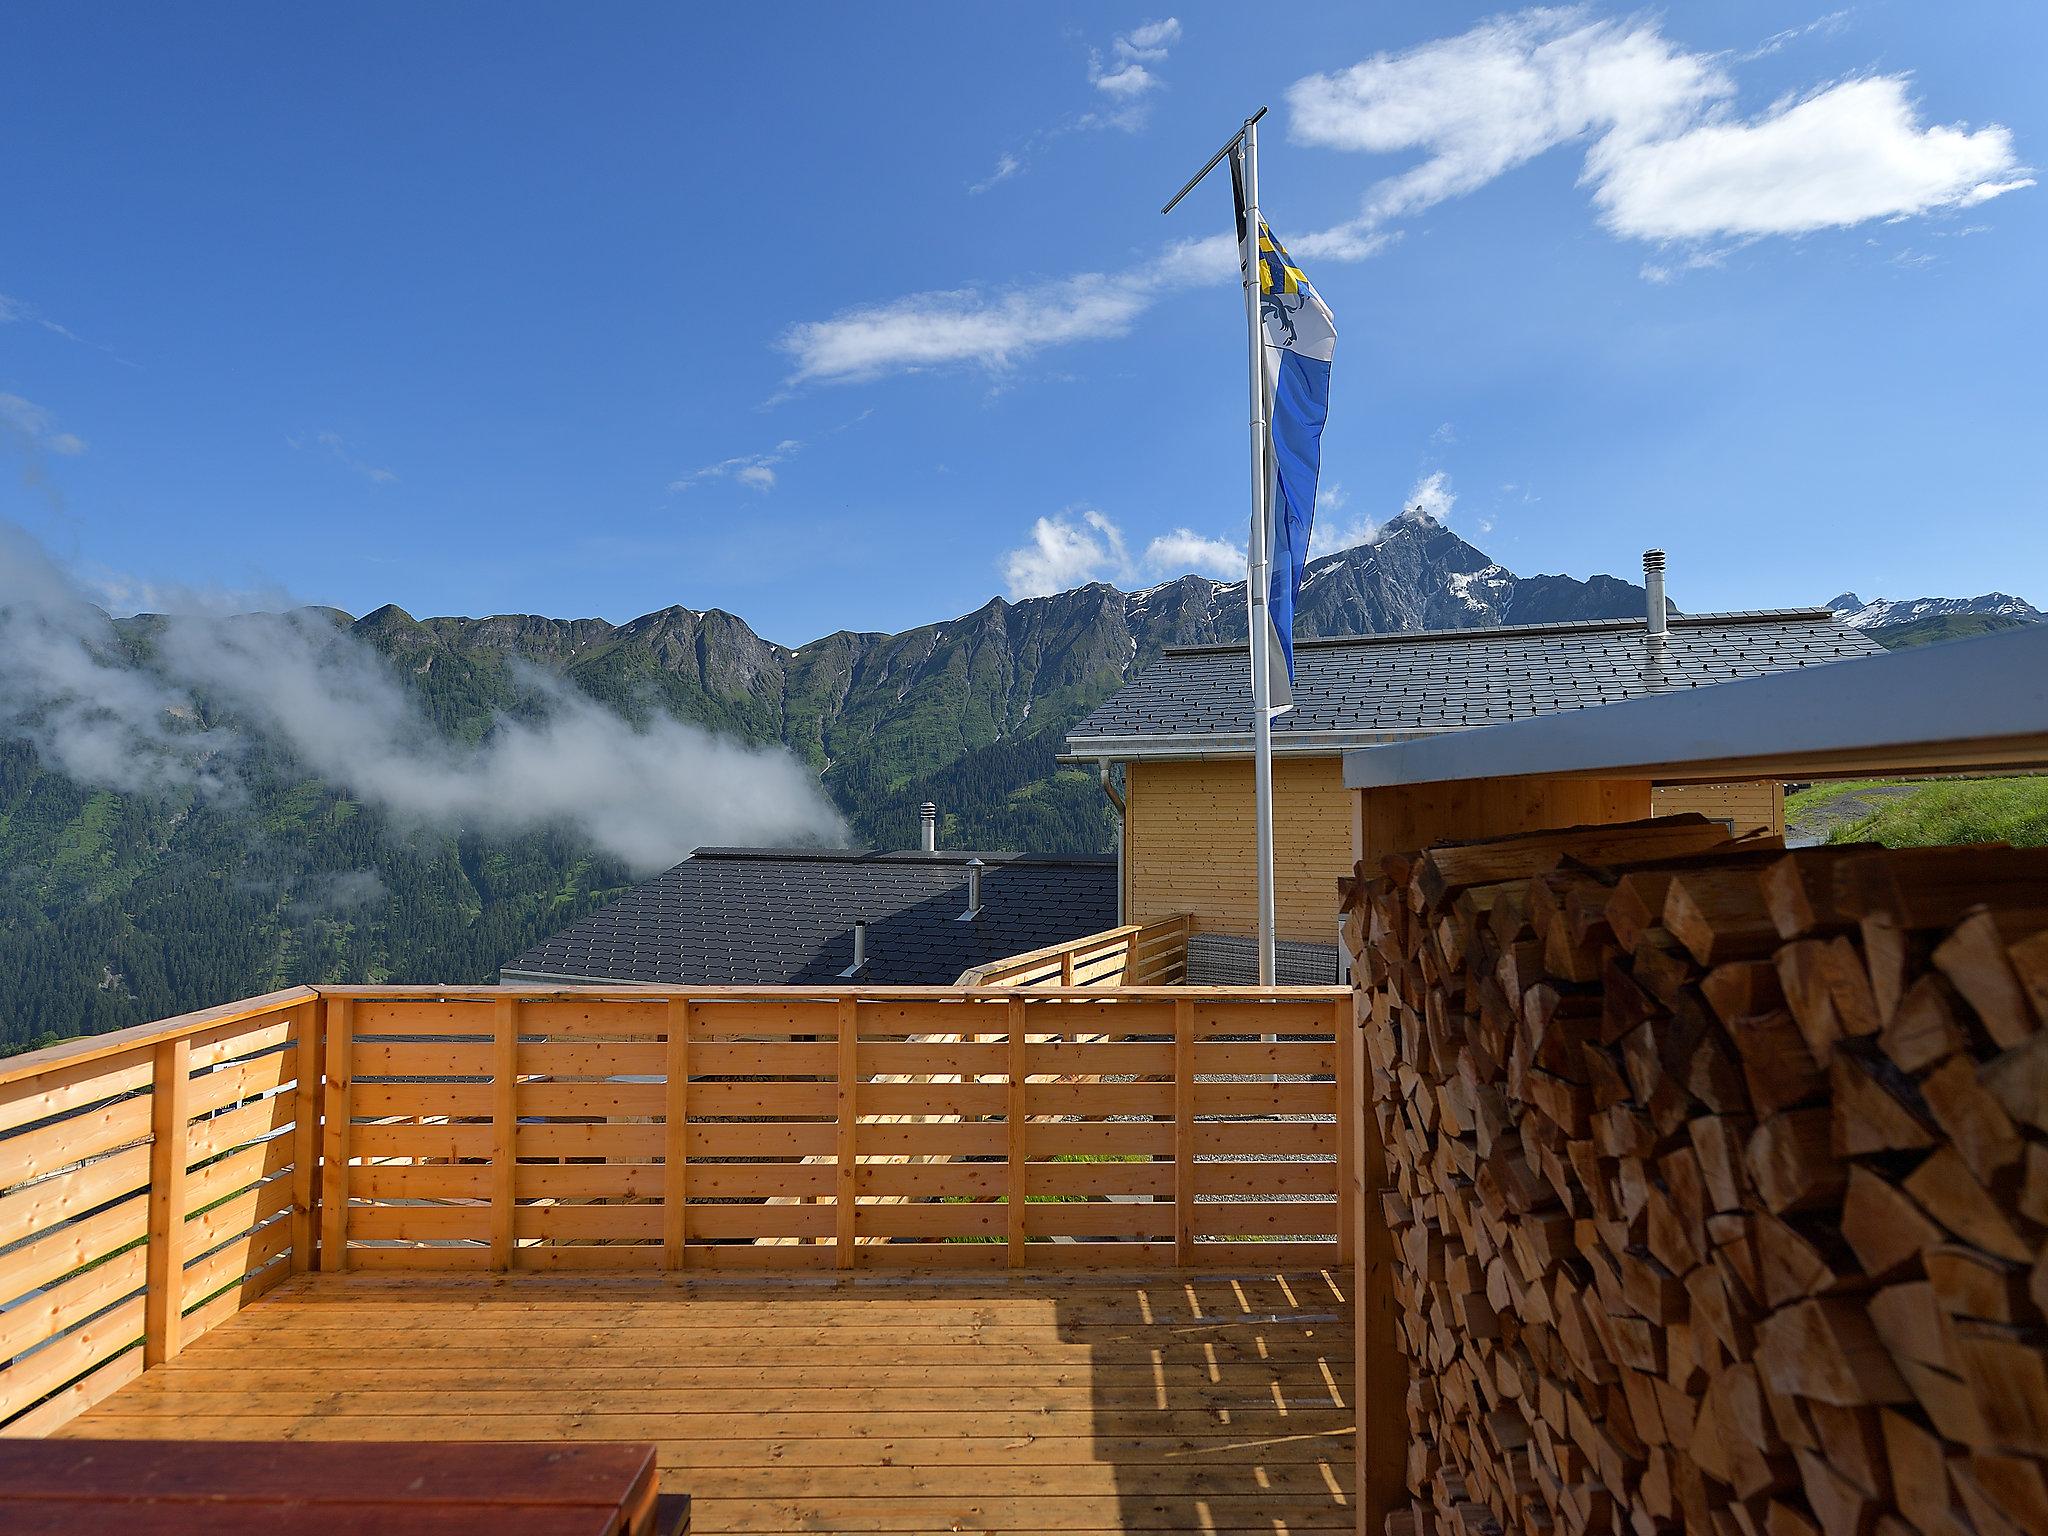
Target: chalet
[{"x": 1180, "y": 733}]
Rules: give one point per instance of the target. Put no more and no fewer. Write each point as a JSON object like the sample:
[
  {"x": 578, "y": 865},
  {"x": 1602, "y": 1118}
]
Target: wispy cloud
[
  {"x": 995, "y": 328},
  {"x": 15, "y": 311},
  {"x": 753, "y": 470},
  {"x": 1667, "y": 158},
  {"x": 336, "y": 447},
  {"x": 1127, "y": 72},
  {"x": 1123, "y": 76},
  {"x": 1007, "y": 165},
  {"x": 1823, "y": 26},
  {"x": 36, "y": 429}
]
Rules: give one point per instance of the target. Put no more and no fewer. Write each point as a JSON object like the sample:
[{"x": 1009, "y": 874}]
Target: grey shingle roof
[
  {"x": 774, "y": 917},
  {"x": 1367, "y": 688}
]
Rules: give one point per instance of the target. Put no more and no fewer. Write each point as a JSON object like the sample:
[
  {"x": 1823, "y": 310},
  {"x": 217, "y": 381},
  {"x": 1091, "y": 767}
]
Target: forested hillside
[{"x": 120, "y": 905}]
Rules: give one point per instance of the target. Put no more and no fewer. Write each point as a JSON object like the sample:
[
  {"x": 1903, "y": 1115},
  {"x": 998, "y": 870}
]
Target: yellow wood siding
[
  {"x": 1189, "y": 845},
  {"x": 1744, "y": 806},
  {"x": 1188, "y": 830}
]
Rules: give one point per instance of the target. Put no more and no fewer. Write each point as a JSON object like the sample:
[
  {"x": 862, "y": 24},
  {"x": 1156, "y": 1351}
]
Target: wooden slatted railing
[
  {"x": 1135, "y": 955},
  {"x": 812, "y": 1127},
  {"x": 152, "y": 1182}
]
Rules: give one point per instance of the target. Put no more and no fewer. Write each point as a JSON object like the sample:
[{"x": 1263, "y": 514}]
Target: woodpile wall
[{"x": 1718, "y": 1182}]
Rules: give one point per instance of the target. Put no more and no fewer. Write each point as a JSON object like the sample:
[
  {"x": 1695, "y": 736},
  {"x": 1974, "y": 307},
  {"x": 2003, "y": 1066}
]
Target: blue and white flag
[{"x": 1301, "y": 338}]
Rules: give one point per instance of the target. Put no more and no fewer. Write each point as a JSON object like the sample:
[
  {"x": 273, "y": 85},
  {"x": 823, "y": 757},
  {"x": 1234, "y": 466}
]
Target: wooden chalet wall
[
  {"x": 1715, "y": 1189},
  {"x": 1188, "y": 834},
  {"x": 1745, "y": 806},
  {"x": 1188, "y": 844}
]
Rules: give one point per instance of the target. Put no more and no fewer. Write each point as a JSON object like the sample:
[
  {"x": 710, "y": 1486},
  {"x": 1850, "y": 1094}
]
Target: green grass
[
  {"x": 1817, "y": 794},
  {"x": 2011, "y": 810}
]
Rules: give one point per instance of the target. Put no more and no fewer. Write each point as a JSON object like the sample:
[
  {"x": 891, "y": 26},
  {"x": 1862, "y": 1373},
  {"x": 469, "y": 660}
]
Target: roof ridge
[
  {"x": 944, "y": 856},
  {"x": 1495, "y": 631}
]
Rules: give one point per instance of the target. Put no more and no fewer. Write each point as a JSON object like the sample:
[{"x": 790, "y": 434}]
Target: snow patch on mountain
[{"x": 1858, "y": 614}]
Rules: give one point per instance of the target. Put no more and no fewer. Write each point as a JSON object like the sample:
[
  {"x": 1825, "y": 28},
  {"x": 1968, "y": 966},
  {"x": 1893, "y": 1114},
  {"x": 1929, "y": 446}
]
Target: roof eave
[
  {"x": 1969, "y": 705},
  {"x": 1199, "y": 746}
]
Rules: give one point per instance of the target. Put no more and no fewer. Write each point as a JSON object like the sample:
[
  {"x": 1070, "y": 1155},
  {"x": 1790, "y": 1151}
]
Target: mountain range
[
  {"x": 1896, "y": 622},
  {"x": 119, "y": 905}
]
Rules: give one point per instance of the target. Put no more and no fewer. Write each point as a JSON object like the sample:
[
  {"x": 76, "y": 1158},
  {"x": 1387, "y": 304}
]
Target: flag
[{"x": 1300, "y": 339}]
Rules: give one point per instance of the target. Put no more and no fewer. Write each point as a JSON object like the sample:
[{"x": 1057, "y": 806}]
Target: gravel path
[{"x": 1819, "y": 819}]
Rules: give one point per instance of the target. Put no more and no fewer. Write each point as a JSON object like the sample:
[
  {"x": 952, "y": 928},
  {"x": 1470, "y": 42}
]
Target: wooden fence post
[
  {"x": 675, "y": 1141},
  {"x": 1018, "y": 1128},
  {"x": 504, "y": 1129},
  {"x": 1349, "y": 1112},
  {"x": 1183, "y": 1132},
  {"x": 334, "y": 1137},
  {"x": 306, "y": 1137},
  {"x": 1066, "y": 967},
  {"x": 845, "y": 1189},
  {"x": 170, "y": 1099},
  {"x": 1380, "y": 1389}
]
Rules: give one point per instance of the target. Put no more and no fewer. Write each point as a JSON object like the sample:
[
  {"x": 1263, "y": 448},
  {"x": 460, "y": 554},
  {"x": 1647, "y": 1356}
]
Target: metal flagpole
[
  {"x": 1259, "y": 557},
  {"x": 1259, "y": 565}
]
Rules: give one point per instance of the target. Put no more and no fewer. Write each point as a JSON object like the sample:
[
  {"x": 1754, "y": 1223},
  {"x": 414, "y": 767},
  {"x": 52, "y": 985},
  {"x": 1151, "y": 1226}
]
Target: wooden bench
[{"x": 343, "y": 1488}]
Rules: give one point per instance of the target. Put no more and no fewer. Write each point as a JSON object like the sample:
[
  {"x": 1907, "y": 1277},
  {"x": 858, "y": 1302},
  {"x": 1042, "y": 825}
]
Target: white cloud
[
  {"x": 1667, "y": 157},
  {"x": 1125, "y": 76},
  {"x": 754, "y": 470},
  {"x": 338, "y": 448},
  {"x": 1185, "y": 550},
  {"x": 1065, "y": 552},
  {"x": 1432, "y": 496},
  {"x": 933, "y": 330},
  {"x": 1849, "y": 153},
  {"x": 1149, "y": 41},
  {"x": 993, "y": 329},
  {"x": 1074, "y": 548},
  {"x": 36, "y": 428},
  {"x": 1006, "y": 167}
]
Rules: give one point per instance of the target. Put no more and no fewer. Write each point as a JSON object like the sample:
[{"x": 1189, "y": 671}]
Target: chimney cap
[{"x": 1653, "y": 559}]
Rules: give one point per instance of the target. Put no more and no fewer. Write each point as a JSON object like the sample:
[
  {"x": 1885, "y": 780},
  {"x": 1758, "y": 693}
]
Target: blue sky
[{"x": 858, "y": 318}]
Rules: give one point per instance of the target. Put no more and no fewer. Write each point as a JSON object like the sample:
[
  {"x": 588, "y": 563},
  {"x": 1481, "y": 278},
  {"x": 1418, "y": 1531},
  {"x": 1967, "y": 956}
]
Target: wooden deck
[{"x": 1197, "y": 1401}]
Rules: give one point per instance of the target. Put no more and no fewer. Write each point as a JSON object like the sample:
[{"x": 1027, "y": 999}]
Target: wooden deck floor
[{"x": 1189, "y": 1402}]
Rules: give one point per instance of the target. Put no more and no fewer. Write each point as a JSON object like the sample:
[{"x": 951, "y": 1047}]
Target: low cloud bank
[{"x": 188, "y": 717}]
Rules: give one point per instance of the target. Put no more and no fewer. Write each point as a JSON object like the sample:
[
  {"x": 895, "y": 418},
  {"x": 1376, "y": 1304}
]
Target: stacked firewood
[{"x": 1717, "y": 1182}]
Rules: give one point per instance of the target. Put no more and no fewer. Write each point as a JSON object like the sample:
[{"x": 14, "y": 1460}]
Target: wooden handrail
[
  {"x": 1119, "y": 947},
  {"x": 90, "y": 1048}
]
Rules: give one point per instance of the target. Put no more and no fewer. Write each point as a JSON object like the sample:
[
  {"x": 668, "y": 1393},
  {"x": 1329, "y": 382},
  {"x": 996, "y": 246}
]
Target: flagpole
[
  {"x": 1258, "y": 566},
  {"x": 1244, "y": 145}
]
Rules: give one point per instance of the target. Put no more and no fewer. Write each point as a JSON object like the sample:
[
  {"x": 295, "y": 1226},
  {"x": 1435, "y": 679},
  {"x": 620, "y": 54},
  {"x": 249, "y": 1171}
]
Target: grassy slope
[{"x": 2010, "y": 810}]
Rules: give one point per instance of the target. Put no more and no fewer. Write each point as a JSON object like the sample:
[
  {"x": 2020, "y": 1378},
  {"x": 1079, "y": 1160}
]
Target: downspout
[{"x": 1102, "y": 766}]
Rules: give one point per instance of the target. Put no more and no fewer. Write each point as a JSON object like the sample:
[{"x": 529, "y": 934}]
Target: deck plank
[{"x": 994, "y": 1402}]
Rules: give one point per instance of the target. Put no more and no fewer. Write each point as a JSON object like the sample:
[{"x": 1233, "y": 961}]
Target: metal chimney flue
[
  {"x": 860, "y": 948},
  {"x": 928, "y": 813},
  {"x": 1653, "y": 591},
  {"x": 974, "y": 869}
]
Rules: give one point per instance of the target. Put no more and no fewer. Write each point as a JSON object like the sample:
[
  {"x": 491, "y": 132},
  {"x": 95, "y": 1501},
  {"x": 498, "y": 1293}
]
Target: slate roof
[
  {"x": 1355, "y": 691},
  {"x": 782, "y": 916}
]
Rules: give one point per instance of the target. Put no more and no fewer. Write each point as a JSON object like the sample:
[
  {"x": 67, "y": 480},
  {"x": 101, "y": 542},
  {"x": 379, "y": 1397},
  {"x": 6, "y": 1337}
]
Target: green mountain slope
[{"x": 1939, "y": 627}]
